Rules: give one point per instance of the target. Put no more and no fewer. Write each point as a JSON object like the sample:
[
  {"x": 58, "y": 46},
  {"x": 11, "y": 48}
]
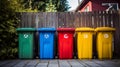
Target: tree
[
  {"x": 61, "y": 5},
  {"x": 50, "y": 7},
  {"x": 24, "y": 6},
  {"x": 57, "y": 5},
  {"x": 8, "y": 25}
]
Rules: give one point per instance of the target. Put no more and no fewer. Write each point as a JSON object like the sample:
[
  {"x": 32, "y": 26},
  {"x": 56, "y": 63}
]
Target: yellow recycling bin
[
  {"x": 84, "y": 42},
  {"x": 104, "y": 42}
]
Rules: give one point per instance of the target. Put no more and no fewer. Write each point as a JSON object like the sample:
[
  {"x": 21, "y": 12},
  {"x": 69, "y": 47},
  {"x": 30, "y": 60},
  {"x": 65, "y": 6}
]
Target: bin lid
[
  {"x": 84, "y": 29},
  {"x": 65, "y": 29},
  {"x": 104, "y": 29},
  {"x": 46, "y": 29},
  {"x": 26, "y": 29}
]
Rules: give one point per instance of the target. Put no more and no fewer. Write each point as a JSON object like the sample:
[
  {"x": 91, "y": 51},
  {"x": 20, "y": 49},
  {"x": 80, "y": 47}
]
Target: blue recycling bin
[{"x": 46, "y": 43}]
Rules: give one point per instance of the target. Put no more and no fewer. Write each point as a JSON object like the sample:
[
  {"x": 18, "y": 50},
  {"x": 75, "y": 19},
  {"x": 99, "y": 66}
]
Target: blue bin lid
[{"x": 46, "y": 29}]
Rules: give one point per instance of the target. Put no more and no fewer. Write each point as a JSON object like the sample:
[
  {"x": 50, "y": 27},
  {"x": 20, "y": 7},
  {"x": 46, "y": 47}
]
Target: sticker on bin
[
  {"x": 25, "y": 36},
  {"x": 85, "y": 35},
  {"x": 66, "y": 36},
  {"x": 106, "y": 36},
  {"x": 46, "y": 36}
]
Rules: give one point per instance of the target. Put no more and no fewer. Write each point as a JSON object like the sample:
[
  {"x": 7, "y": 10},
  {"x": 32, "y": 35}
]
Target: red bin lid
[{"x": 66, "y": 29}]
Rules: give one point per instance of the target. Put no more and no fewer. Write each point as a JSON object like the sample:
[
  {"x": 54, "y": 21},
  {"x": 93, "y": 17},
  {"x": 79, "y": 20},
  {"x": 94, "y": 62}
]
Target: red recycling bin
[{"x": 65, "y": 42}]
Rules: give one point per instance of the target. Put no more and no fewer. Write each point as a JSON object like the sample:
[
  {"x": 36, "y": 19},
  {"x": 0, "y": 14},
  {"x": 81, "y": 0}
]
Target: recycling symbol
[
  {"x": 46, "y": 36},
  {"x": 85, "y": 35},
  {"x": 25, "y": 36},
  {"x": 106, "y": 35},
  {"x": 66, "y": 36}
]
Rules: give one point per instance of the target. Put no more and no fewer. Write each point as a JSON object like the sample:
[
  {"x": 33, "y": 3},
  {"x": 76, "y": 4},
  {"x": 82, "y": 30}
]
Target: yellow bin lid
[
  {"x": 84, "y": 29},
  {"x": 104, "y": 29}
]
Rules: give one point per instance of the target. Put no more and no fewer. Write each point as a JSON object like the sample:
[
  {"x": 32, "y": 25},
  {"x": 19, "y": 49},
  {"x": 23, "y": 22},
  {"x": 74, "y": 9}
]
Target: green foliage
[
  {"x": 42, "y": 5},
  {"x": 50, "y": 7},
  {"x": 61, "y": 5},
  {"x": 25, "y": 6},
  {"x": 8, "y": 53},
  {"x": 8, "y": 25}
]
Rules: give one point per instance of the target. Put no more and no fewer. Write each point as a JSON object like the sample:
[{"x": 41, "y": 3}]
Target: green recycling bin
[{"x": 26, "y": 41}]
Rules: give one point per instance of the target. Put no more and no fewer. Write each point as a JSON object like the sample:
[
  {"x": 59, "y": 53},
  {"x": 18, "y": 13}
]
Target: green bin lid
[
  {"x": 104, "y": 29},
  {"x": 84, "y": 29},
  {"x": 25, "y": 29}
]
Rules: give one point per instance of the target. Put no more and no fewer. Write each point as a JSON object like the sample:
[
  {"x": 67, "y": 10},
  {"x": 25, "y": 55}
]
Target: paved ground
[{"x": 60, "y": 63}]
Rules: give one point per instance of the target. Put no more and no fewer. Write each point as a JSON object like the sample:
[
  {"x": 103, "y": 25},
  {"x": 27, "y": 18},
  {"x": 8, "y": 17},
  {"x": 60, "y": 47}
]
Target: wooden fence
[{"x": 74, "y": 20}]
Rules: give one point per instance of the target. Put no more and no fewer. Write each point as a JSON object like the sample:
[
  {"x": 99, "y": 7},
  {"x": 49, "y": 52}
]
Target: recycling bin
[
  {"x": 65, "y": 42},
  {"x": 104, "y": 42},
  {"x": 46, "y": 43},
  {"x": 26, "y": 42},
  {"x": 84, "y": 42}
]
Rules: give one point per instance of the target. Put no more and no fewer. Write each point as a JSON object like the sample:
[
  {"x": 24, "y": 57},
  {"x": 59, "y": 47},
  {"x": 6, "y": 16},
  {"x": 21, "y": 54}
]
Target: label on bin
[
  {"x": 25, "y": 36},
  {"x": 46, "y": 36},
  {"x": 85, "y": 35},
  {"x": 106, "y": 35},
  {"x": 66, "y": 36}
]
